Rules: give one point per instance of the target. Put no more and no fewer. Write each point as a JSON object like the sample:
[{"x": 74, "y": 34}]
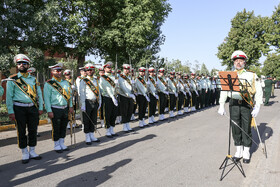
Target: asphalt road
[{"x": 187, "y": 151}]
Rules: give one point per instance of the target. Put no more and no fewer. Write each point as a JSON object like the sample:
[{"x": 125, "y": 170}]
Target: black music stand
[{"x": 229, "y": 82}]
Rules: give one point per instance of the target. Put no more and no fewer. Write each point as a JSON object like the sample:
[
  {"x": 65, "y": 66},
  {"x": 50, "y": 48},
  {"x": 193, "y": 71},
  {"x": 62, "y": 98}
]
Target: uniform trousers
[
  {"x": 217, "y": 95},
  {"x": 142, "y": 106},
  {"x": 194, "y": 98},
  {"x": 110, "y": 112},
  {"x": 26, "y": 117},
  {"x": 126, "y": 106},
  {"x": 101, "y": 109},
  {"x": 90, "y": 116},
  {"x": 181, "y": 97},
  {"x": 59, "y": 123},
  {"x": 241, "y": 114},
  {"x": 202, "y": 98},
  {"x": 187, "y": 100},
  {"x": 198, "y": 101},
  {"x": 152, "y": 105},
  {"x": 172, "y": 101},
  {"x": 162, "y": 102}
]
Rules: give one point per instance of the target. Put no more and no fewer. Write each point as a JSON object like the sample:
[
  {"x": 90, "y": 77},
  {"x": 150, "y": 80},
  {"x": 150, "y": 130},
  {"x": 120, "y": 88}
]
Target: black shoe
[
  {"x": 67, "y": 149},
  {"x": 88, "y": 143},
  {"x": 59, "y": 151},
  {"x": 109, "y": 136},
  {"x": 97, "y": 140},
  {"x": 25, "y": 161},
  {"x": 141, "y": 127},
  {"x": 131, "y": 130},
  {"x": 236, "y": 159},
  {"x": 115, "y": 134},
  {"x": 246, "y": 161},
  {"x": 37, "y": 157}
]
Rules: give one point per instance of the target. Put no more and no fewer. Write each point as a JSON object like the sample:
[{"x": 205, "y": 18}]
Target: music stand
[{"x": 229, "y": 81}]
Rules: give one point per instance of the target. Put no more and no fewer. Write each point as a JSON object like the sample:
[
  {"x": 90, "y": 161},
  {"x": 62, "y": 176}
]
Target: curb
[{"x": 13, "y": 127}]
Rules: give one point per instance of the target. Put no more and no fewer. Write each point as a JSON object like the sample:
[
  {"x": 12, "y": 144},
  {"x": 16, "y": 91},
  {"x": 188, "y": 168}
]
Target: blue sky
[{"x": 195, "y": 28}]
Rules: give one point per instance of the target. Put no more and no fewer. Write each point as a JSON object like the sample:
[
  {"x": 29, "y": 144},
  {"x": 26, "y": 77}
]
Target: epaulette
[{"x": 14, "y": 76}]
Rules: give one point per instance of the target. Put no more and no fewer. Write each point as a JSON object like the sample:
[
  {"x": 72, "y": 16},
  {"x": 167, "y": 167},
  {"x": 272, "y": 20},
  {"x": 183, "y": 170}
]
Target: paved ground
[{"x": 188, "y": 151}]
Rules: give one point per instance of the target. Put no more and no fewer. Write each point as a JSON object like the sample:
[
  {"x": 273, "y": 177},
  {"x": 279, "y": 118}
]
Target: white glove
[
  {"x": 148, "y": 82},
  {"x": 99, "y": 106},
  {"x": 83, "y": 108},
  {"x": 148, "y": 99},
  {"x": 116, "y": 81},
  {"x": 184, "y": 93},
  {"x": 156, "y": 96},
  {"x": 196, "y": 93},
  {"x": 132, "y": 81},
  {"x": 255, "y": 111},
  {"x": 73, "y": 87},
  {"x": 190, "y": 94},
  {"x": 221, "y": 110},
  {"x": 115, "y": 101},
  {"x": 176, "y": 95},
  {"x": 166, "y": 92},
  {"x": 132, "y": 96}
]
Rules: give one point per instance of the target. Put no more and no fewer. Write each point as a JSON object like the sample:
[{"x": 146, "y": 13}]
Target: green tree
[
  {"x": 272, "y": 65},
  {"x": 204, "y": 69},
  {"x": 248, "y": 33}
]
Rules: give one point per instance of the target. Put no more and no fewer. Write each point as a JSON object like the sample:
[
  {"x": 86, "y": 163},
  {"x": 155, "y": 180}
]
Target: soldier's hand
[
  {"x": 50, "y": 115},
  {"x": 12, "y": 117},
  {"x": 40, "y": 112},
  {"x": 71, "y": 110}
]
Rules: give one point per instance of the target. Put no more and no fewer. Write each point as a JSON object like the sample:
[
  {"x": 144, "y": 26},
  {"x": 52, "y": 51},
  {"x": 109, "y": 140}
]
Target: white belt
[
  {"x": 59, "y": 107},
  {"x": 24, "y": 104}
]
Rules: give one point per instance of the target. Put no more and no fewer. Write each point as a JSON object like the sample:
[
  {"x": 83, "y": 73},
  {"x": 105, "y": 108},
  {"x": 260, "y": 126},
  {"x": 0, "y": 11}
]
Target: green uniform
[
  {"x": 267, "y": 89},
  {"x": 58, "y": 104},
  {"x": 26, "y": 113}
]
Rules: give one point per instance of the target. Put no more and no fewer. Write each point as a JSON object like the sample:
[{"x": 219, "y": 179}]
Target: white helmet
[
  {"x": 238, "y": 54},
  {"x": 21, "y": 58}
]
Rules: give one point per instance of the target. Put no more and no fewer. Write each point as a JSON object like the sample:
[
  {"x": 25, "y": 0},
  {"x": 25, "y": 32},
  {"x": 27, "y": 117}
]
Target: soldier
[
  {"x": 68, "y": 76},
  {"x": 181, "y": 93},
  {"x": 163, "y": 93},
  {"x": 199, "y": 90},
  {"x": 127, "y": 97},
  {"x": 107, "y": 85},
  {"x": 25, "y": 103},
  {"x": 119, "y": 117},
  {"x": 240, "y": 111},
  {"x": 132, "y": 76},
  {"x": 152, "y": 95},
  {"x": 217, "y": 89},
  {"x": 91, "y": 103},
  {"x": 58, "y": 104},
  {"x": 142, "y": 96},
  {"x": 173, "y": 94},
  {"x": 208, "y": 91},
  {"x": 204, "y": 90},
  {"x": 267, "y": 89},
  {"x": 101, "y": 72},
  {"x": 194, "y": 92},
  {"x": 187, "y": 94},
  {"x": 78, "y": 81}
]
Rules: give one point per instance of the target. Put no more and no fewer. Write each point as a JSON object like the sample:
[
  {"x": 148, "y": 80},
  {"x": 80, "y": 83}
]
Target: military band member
[
  {"x": 25, "y": 103},
  {"x": 194, "y": 92},
  {"x": 127, "y": 97},
  {"x": 107, "y": 85},
  {"x": 208, "y": 91},
  {"x": 181, "y": 93},
  {"x": 173, "y": 94},
  {"x": 198, "y": 85},
  {"x": 152, "y": 95},
  {"x": 91, "y": 103},
  {"x": 213, "y": 91},
  {"x": 187, "y": 94},
  {"x": 58, "y": 104},
  {"x": 101, "y": 72},
  {"x": 240, "y": 110},
  {"x": 132, "y": 76},
  {"x": 217, "y": 89},
  {"x": 68, "y": 76},
  {"x": 142, "y": 96},
  {"x": 204, "y": 90},
  {"x": 163, "y": 92}
]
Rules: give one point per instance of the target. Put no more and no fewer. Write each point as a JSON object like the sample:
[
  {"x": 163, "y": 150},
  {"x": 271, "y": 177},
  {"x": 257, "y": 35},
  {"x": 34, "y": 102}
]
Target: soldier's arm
[
  {"x": 9, "y": 96},
  {"x": 47, "y": 97},
  {"x": 83, "y": 93},
  {"x": 41, "y": 101}
]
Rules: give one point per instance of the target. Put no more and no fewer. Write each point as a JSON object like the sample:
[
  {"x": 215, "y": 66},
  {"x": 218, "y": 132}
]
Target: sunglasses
[
  {"x": 58, "y": 70},
  {"x": 89, "y": 70},
  {"x": 23, "y": 63}
]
